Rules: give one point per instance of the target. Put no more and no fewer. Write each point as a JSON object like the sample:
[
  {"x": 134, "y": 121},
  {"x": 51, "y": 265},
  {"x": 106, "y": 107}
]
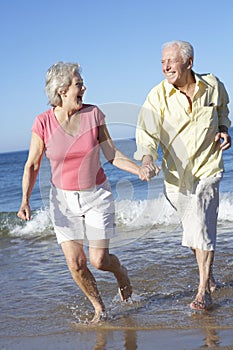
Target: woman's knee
[
  {"x": 77, "y": 263},
  {"x": 75, "y": 256}
]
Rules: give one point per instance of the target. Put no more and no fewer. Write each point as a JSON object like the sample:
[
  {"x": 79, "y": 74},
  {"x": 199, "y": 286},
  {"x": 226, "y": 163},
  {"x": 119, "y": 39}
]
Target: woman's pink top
[{"x": 75, "y": 160}]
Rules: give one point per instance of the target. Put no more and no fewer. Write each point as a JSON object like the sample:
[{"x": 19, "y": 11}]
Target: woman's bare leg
[
  {"x": 102, "y": 260},
  {"x": 77, "y": 263}
]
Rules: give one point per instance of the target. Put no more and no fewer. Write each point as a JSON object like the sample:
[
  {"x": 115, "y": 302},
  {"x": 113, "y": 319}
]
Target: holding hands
[{"x": 148, "y": 169}]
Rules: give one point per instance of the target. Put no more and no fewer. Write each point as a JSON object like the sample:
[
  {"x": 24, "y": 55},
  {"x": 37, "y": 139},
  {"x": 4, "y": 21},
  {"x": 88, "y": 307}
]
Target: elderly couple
[{"x": 186, "y": 114}]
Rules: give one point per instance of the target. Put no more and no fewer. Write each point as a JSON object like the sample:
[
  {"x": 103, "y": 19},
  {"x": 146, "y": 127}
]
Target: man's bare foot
[
  {"x": 125, "y": 288},
  {"x": 201, "y": 302},
  {"x": 213, "y": 284},
  {"x": 99, "y": 317}
]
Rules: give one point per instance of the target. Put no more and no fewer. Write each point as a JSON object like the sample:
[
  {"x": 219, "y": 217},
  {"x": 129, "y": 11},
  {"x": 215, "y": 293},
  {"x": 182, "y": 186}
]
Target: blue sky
[{"x": 117, "y": 43}]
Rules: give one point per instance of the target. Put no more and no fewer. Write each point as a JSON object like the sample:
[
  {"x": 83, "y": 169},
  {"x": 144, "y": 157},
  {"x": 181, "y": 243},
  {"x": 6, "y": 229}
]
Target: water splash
[{"x": 130, "y": 214}]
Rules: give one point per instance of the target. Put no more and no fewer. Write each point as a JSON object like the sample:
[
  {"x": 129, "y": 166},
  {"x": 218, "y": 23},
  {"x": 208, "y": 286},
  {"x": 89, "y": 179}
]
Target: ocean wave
[
  {"x": 39, "y": 225},
  {"x": 130, "y": 214},
  {"x": 226, "y": 207}
]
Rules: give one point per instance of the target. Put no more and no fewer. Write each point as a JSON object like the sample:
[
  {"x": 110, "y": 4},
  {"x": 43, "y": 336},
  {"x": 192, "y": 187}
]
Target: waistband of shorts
[
  {"x": 176, "y": 189},
  {"x": 91, "y": 189}
]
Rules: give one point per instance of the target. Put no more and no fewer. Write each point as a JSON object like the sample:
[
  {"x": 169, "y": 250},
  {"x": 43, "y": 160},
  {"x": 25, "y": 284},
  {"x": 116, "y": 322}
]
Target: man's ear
[{"x": 190, "y": 63}]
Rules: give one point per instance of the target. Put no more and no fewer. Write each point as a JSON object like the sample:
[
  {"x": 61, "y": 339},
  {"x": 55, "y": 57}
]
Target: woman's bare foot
[
  {"x": 125, "y": 288},
  {"x": 99, "y": 317},
  {"x": 201, "y": 302}
]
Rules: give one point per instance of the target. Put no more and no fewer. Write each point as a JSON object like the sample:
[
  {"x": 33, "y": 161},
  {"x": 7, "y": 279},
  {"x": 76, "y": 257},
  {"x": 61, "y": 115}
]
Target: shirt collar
[
  {"x": 170, "y": 89},
  {"x": 200, "y": 79}
]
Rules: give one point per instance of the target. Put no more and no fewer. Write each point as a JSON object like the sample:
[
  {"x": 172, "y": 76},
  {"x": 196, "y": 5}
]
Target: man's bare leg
[
  {"x": 102, "y": 260},
  {"x": 203, "y": 298},
  {"x": 212, "y": 282},
  {"x": 76, "y": 261}
]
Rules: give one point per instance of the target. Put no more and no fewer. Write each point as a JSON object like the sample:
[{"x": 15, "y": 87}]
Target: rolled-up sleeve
[{"x": 223, "y": 110}]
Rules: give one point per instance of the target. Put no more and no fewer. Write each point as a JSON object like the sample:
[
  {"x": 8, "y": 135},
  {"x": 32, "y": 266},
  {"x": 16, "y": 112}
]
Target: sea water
[{"x": 38, "y": 295}]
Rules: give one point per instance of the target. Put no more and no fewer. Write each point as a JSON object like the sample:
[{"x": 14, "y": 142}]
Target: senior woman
[{"x": 71, "y": 134}]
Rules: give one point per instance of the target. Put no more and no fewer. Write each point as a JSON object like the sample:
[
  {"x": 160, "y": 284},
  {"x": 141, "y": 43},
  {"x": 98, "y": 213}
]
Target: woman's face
[{"x": 75, "y": 92}]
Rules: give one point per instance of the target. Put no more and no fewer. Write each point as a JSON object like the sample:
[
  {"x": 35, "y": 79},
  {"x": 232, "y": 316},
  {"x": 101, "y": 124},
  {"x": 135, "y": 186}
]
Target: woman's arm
[
  {"x": 118, "y": 159},
  {"x": 31, "y": 170}
]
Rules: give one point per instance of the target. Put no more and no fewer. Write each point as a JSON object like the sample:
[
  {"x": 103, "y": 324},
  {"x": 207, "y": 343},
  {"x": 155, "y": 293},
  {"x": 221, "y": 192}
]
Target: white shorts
[
  {"x": 83, "y": 214},
  {"x": 198, "y": 212}
]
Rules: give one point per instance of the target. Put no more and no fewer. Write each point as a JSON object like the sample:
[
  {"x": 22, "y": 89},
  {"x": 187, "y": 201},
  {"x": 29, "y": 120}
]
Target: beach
[
  {"x": 42, "y": 308},
  {"x": 41, "y": 305},
  {"x": 194, "y": 339}
]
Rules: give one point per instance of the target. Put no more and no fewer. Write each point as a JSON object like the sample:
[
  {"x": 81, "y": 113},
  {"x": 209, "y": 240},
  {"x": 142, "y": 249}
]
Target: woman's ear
[{"x": 61, "y": 91}]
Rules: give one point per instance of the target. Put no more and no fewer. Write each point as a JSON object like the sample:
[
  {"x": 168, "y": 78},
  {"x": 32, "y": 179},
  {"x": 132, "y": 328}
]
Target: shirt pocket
[{"x": 208, "y": 118}]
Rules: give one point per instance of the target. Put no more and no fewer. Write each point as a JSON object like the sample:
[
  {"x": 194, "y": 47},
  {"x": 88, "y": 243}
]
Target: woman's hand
[
  {"x": 148, "y": 170},
  {"x": 24, "y": 212}
]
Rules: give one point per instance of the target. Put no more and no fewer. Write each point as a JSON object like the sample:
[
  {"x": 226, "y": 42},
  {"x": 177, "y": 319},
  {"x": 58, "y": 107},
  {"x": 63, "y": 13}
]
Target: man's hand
[
  {"x": 147, "y": 171},
  {"x": 226, "y": 139}
]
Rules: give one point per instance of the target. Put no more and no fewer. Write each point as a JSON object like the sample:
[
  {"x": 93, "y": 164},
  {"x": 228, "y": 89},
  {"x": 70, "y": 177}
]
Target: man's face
[{"x": 173, "y": 66}]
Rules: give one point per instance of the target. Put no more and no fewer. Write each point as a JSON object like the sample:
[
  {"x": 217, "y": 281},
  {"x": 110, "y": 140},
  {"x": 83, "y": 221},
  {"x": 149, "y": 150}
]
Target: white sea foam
[
  {"x": 39, "y": 223},
  {"x": 226, "y": 207},
  {"x": 145, "y": 213},
  {"x": 129, "y": 214},
  {"x": 159, "y": 211}
]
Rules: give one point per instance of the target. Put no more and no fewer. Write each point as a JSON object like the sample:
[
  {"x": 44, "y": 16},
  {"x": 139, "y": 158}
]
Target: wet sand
[
  {"x": 45, "y": 310},
  {"x": 101, "y": 338}
]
